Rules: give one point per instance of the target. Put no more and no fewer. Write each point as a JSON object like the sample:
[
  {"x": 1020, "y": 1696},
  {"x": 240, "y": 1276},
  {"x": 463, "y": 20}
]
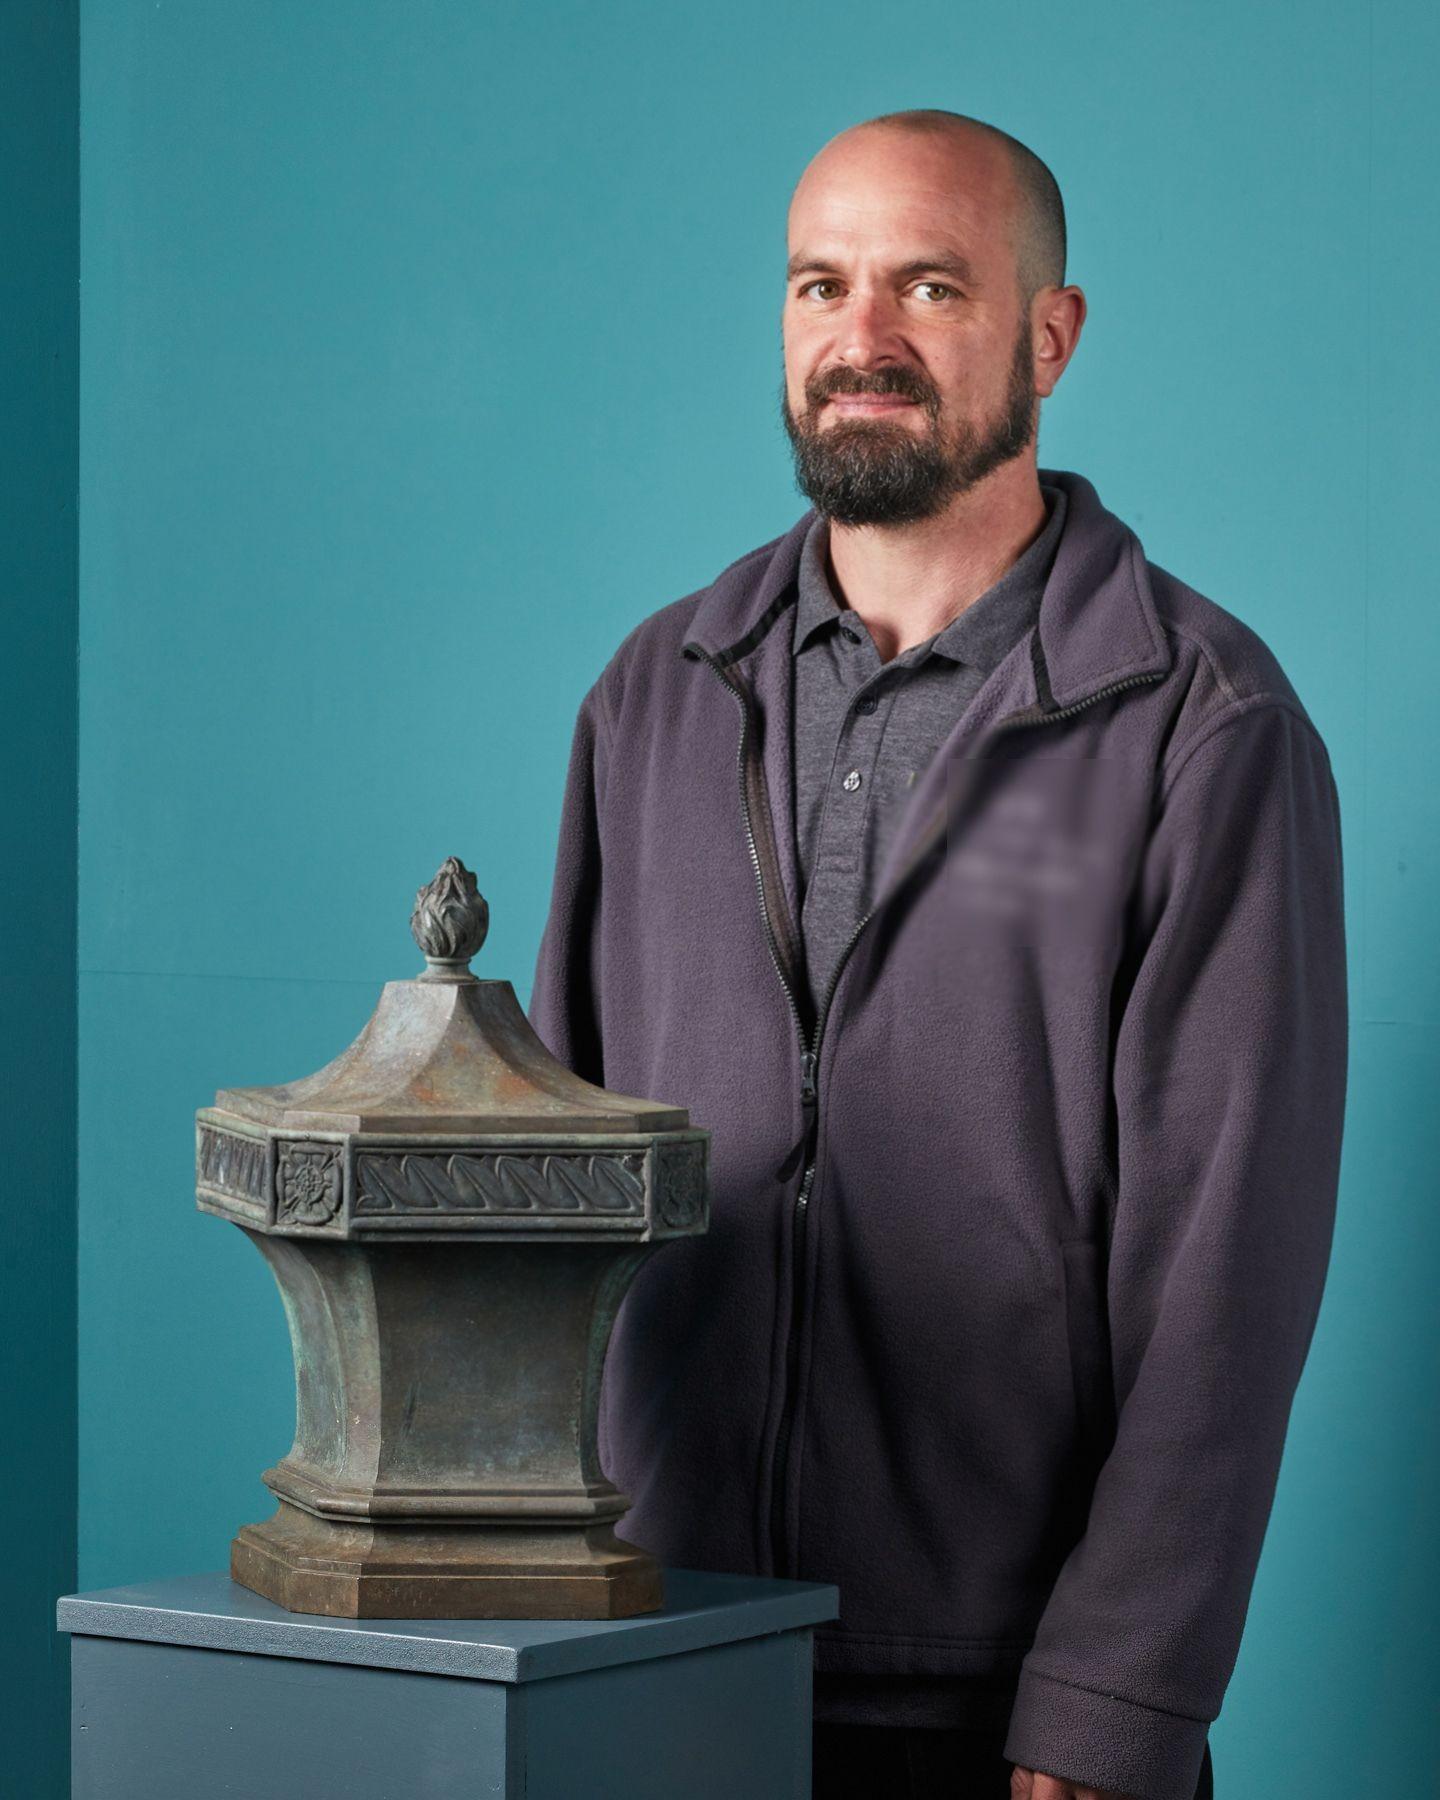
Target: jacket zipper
[
  {"x": 809, "y": 1068},
  {"x": 810, "y": 1045},
  {"x": 743, "y": 703}
]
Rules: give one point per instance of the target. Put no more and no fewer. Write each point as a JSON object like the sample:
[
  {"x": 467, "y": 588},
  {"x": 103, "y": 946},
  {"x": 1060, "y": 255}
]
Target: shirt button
[
  {"x": 851, "y": 781},
  {"x": 867, "y": 704}
]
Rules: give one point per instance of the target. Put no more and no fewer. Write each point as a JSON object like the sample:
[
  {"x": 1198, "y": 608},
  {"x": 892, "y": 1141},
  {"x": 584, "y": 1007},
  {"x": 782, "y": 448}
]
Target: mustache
[{"x": 904, "y": 382}]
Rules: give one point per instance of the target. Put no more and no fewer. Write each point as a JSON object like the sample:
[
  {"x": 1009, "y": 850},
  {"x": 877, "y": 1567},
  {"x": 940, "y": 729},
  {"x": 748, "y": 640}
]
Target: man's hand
[{"x": 1027, "y": 1784}]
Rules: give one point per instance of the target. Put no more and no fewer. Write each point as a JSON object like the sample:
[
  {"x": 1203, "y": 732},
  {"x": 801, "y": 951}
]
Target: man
[{"x": 978, "y": 885}]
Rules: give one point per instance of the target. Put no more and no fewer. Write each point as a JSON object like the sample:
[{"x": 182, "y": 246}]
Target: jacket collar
[{"x": 1097, "y": 625}]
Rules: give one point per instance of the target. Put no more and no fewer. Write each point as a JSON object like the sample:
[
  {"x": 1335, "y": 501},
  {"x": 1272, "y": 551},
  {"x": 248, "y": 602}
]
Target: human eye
[
  {"x": 944, "y": 289},
  {"x": 820, "y": 281}
]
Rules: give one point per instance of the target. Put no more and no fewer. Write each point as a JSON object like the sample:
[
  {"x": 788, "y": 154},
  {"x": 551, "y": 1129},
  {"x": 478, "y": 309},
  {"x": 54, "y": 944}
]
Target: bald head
[{"x": 1035, "y": 212}]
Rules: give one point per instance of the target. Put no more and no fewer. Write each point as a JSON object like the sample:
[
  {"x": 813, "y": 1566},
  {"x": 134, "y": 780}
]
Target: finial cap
[{"x": 449, "y": 922}]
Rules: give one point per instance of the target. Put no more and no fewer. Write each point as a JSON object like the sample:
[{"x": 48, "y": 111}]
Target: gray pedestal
[{"x": 196, "y": 1687}]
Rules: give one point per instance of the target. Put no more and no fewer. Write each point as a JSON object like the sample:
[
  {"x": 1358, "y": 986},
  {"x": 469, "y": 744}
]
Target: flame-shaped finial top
[{"x": 449, "y": 922}]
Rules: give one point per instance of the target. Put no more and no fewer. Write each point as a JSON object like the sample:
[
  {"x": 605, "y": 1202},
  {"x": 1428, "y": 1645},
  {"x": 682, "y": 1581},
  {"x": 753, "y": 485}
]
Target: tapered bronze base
[{"x": 313, "y": 1565}]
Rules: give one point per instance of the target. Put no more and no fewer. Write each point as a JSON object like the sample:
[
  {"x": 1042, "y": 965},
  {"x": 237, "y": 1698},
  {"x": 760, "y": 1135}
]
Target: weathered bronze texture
[{"x": 453, "y": 1219}]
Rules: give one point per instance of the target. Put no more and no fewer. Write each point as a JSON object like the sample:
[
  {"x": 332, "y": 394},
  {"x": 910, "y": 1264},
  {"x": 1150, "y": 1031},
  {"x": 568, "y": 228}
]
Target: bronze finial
[
  {"x": 449, "y": 922},
  {"x": 453, "y": 1217}
]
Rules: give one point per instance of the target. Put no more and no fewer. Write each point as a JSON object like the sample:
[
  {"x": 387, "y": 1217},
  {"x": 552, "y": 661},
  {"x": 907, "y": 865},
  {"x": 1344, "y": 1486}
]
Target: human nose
[{"x": 868, "y": 335}]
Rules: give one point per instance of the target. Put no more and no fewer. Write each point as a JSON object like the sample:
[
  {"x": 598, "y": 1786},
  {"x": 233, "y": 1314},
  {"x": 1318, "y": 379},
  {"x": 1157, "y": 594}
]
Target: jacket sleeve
[
  {"x": 1229, "y": 1079},
  {"x": 565, "y": 996}
]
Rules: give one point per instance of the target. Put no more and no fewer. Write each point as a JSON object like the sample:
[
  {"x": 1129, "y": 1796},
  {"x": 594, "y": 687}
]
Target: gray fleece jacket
[{"x": 1018, "y": 1239}]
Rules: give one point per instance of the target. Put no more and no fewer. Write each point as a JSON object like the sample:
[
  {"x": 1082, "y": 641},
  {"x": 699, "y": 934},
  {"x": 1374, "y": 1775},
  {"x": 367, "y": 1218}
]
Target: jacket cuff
[{"x": 1100, "y": 1740}]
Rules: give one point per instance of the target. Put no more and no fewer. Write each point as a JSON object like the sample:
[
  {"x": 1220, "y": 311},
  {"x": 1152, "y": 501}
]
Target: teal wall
[
  {"x": 427, "y": 347},
  {"x": 39, "y": 318}
]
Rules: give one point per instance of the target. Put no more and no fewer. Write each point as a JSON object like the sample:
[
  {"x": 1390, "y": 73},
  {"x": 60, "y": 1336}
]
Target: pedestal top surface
[{"x": 212, "y": 1612}]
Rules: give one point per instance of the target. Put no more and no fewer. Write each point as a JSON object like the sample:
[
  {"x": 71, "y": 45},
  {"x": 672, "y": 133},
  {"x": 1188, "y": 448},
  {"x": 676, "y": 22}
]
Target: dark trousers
[{"x": 921, "y": 1762}]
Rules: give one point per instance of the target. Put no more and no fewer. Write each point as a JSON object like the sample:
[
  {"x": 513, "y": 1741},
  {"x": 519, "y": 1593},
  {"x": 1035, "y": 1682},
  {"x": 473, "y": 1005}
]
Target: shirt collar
[{"x": 981, "y": 635}]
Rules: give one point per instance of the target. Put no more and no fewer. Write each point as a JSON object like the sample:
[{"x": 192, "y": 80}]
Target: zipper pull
[{"x": 809, "y": 1065}]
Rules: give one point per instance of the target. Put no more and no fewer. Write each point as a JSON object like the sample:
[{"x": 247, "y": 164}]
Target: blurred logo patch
[{"x": 1035, "y": 851}]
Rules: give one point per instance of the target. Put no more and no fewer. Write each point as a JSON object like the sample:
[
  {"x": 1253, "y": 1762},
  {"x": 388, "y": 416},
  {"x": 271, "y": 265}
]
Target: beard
[{"x": 879, "y": 472}]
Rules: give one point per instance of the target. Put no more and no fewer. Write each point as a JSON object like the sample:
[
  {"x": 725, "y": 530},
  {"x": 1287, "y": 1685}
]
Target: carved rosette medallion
[
  {"x": 680, "y": 1197},
  {"x": 309, "y": 1184}
]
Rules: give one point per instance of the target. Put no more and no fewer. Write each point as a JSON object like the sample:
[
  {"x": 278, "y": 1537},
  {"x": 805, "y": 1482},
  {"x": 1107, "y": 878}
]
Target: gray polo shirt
[{"x": 865, "y": 730}]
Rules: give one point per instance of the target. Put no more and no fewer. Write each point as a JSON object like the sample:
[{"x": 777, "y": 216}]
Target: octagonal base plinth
[{"x": 311, "y": 1565}]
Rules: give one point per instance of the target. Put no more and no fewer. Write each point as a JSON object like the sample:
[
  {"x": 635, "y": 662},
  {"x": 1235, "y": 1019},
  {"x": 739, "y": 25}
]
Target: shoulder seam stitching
[{"x": 1236, "y": 709}]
